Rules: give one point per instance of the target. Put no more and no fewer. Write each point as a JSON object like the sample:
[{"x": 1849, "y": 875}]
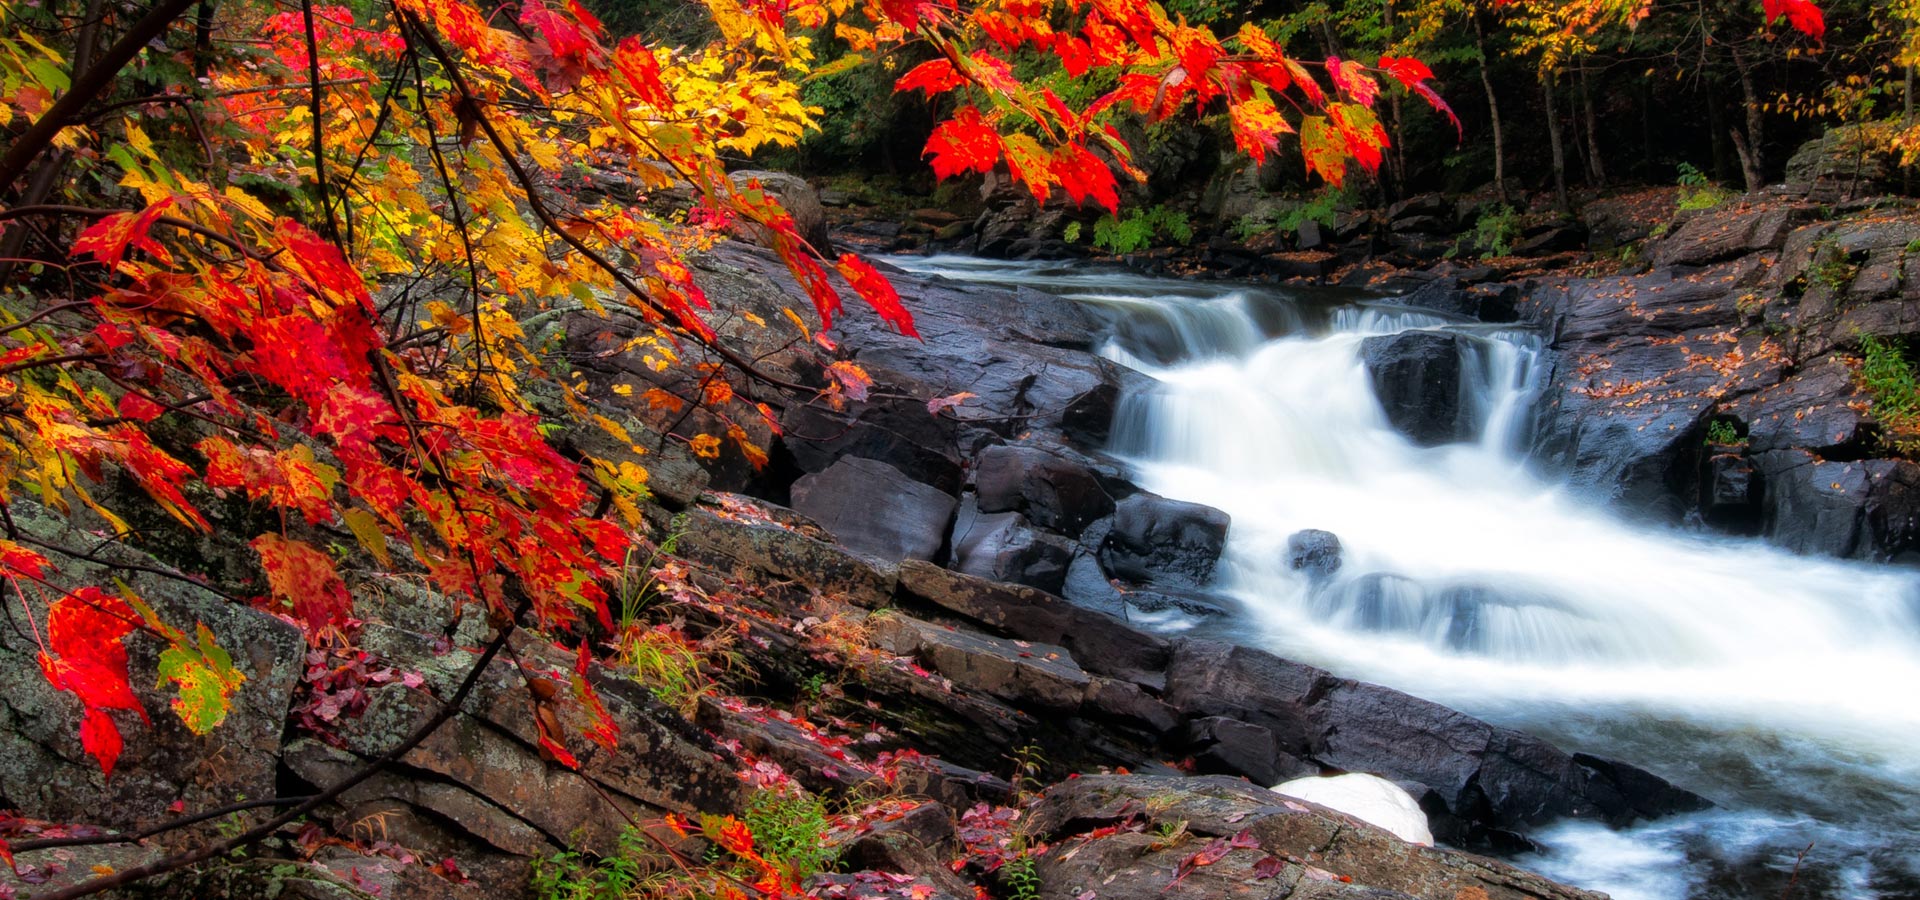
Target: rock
[
  {"x": 1229, "y": 746},
  {"x": 1051, "y": 491},
  {"x": 1102, "y": 643},
  {"x": 1868, "y": 509},
  {"x": 1417, "y": 378},
  {"x": 1215, "y": 679},
  {"x": 481, "y": 771},
  {"x": 1030, "y": 675},
  {"x": 1745, "y": 226},
  {"x": 918, "y": 843},
  {"x": 1300, "y": 850},
  {"x": 1839, "y": 165},
  {"x": 1419, "y": 205},
  {"x": 800, "y": 201},
  {"x": 1454, "y": 296},
  {"x": 1005, "y": 547},
  {"x": 1155, "y": 540},
  {"x": 873, "y": 508},
  {"x": 45, "y": 774},
  {"x": 1315, "y": 552},
  {"x": 756, "y": 542},
  {"x": 1481, "y": 777},
  {"x": 1553, "y": 239},
  {"x": 1369, "y": 798},
  {"x": 1308, "y": 236}
]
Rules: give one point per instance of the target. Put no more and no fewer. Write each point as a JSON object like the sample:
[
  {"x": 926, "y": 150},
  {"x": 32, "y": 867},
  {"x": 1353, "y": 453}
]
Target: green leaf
[
  {"x": 367, "y": 529},
  {"x": 206, "y": 678}
]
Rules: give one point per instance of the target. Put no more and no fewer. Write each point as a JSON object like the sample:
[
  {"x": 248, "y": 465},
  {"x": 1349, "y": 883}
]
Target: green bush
[
  {"x": 1721, "y": 432},
  {"x": 577, "y": 876},
  {"x": 1697, "y": 191},
  {"x": 1889, "y": 380},
  {"x": 1495, "y": 232},
  {"x": 791, "y": 829},
  {"x": 1139, "y": 230}
]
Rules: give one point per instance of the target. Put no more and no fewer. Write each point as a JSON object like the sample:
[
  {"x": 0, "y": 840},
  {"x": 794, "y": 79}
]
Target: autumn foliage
[{"x": 281, "y": 263}]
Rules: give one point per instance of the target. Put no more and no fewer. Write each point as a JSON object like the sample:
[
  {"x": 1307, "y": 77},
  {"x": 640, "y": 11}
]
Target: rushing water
[{"x": 1785, "y": 688}]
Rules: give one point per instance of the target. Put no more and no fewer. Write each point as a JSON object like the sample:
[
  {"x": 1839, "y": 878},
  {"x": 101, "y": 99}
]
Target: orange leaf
[{"x": 304, "y": 577}]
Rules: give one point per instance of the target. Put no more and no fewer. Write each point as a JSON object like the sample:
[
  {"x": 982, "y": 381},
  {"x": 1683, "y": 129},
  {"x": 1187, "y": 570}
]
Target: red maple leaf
[
  {"x": 304, "y": 577},
  {"x": 108, "y": 239},
  {"x": 85, "y": 657},
  {"x": 965, "y": 143},
  {"x": 1352, "y": 80},
  {"x": 935, "y": 76},
  {"x": 1083, "y": 175},
  {"x": 874, "y": 288},
  {"x": 1405, "y": 69}
]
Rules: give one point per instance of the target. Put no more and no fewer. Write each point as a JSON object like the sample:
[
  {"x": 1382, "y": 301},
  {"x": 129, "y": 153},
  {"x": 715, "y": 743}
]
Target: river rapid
[{"x": 1782, "y": 687}]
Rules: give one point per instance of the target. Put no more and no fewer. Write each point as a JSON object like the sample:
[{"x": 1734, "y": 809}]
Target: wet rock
[
  {"x": 1314, "y": 552},
  {"x": 1053, "y": 492},
  {"x": 1160, "y": 541},
  {"x": 1301, "y": 850},
  {"x": 873, "y": 508},
  {"x": 1749, "y": 225},
  {"x": 1229, "y": 746},
  {"x": 1102, "y": 643},
  {"x": 1005, "y": 547},
  {"x": 1417, "y": 378},
  {"x": 1867, "y": 508}
]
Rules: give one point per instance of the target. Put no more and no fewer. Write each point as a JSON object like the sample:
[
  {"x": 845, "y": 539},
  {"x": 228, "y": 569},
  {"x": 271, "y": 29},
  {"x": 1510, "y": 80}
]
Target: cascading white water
[{"x": 1783, "y": 687}]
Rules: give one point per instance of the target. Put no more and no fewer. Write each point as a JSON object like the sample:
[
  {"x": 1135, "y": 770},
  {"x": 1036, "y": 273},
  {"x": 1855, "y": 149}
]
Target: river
[{"x": 1785, "y": 688}]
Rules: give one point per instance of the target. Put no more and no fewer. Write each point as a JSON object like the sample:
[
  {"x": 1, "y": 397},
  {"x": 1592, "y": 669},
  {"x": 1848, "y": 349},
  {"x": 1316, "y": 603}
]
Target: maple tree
[{"x": 290, "y": 269}]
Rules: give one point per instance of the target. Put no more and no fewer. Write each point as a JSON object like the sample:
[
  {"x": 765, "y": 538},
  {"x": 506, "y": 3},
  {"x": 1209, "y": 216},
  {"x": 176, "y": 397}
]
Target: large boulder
[
  {"x": 873, "y": 508},
  {"x": 1155, "y": 540},
  {"x": 1479, "y": 780},
  {"x": 1102, "y": 643},
  {"x": 44, "y": 772},
  {"x": 1843, "y": 164},
  {"x": 1267, "y": 846},
  {"x": 1006, "y": 547},
  {"x": 800, "y": 200},
  {"x": 736, "y": 534},
  {"x": 1863, "y": 508},
  {"x": 1749, "y": 225},
  {"x": 1052, "y": 491},
  {"x": 1417, "y": 377}
]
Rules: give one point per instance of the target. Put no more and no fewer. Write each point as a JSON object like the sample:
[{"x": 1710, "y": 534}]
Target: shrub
[
  {"x": 1495, "y": 232},
  {"x": 1888, "y": 378},
  {"x": 1697, "y": 191},
  {"x": 791, "y": 828}
]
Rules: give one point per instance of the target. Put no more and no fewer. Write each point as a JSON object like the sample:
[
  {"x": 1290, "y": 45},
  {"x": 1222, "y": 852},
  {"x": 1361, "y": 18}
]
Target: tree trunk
[
  {"x": 1557, "y": 141},
  {"x": 1753, "y": 163},
  {"x": 1596, "y": 167},
  {"x": 1493, "y": 113},
  {"x": 1397, "y": 158}
]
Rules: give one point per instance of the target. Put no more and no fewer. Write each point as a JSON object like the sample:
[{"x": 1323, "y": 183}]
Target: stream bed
[{"x": 1785, "y": 688}]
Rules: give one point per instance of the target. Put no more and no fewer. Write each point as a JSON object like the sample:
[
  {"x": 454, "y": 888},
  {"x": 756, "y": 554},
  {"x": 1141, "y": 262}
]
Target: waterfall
[{"x": 1780, "y": 686}]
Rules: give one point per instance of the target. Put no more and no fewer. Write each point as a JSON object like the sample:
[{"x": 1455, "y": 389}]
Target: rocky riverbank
[{"x": 934, "y": 606}]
